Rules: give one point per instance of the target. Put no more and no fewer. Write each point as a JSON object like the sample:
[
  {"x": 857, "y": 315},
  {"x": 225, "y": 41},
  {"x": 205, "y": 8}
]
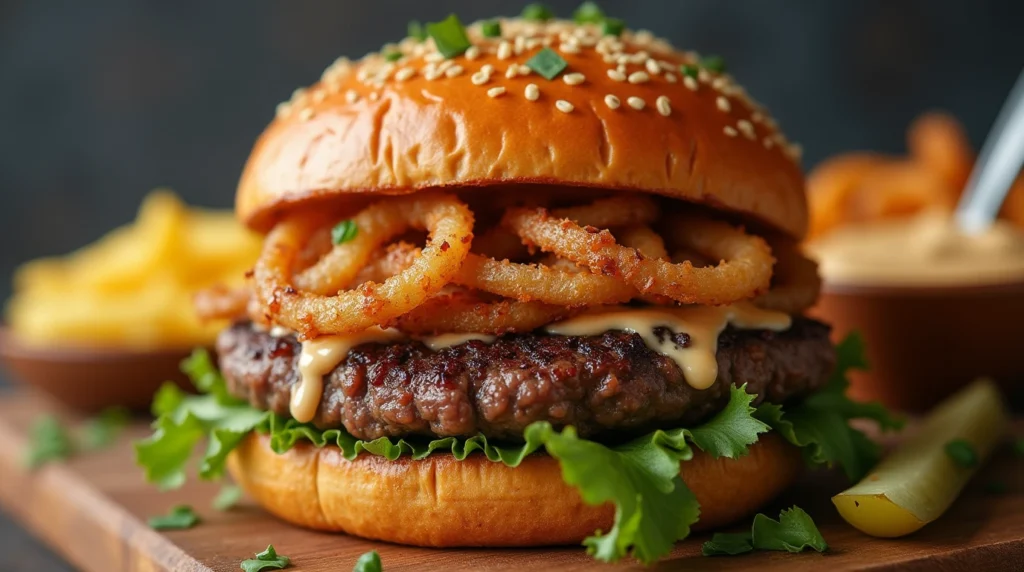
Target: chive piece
[
  {"x": 449, "y": 36},
  {"x": 962, "y": 453},
  {"x": 538, "y": 12},
  {"x": 713, "y": 63},
  {"x": 612, "y": 27},
  {"x": 689, "y": 70},
  {"x": 547, "y": 63},
  {"x": 588, "y": 13},
  {"x": 393, "y": 56},
  {"x": 344, "y": 231},
  {"x": 491, "y": 29},
  {"x": 415, "y": 30}
]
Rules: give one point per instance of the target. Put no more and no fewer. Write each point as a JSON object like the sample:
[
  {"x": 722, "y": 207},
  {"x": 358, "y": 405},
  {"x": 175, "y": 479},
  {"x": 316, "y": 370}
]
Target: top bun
[{"x": 622, "y": 115}]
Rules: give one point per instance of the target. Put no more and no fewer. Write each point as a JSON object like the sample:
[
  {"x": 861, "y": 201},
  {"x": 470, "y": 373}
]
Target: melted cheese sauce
[
  {"x": 702, "y": 324},
  {"x": 442, "y": 341},
  {"x": 927, "y": 249}
]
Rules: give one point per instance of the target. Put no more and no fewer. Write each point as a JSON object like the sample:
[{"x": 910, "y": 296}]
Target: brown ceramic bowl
[
  {"x": 90, "y": 379},
  {"x": 923, "y": 343}
]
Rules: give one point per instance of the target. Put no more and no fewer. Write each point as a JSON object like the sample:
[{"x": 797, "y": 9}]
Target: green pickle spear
[{"x": 919, "y": 480}]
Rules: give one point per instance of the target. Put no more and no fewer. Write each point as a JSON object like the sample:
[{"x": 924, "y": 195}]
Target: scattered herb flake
[
  {"x": 491, "y": 29},
  {"x": 49, "y": 442},
  {"x": 449, "y": 36},
  {"x": 689, "y": 70},
  {"x": 180, "y": 517},
  {"x": 713, "y": 63},
  {"x": 962, "y": 453},
  {"x": 269, "y": 559},
  {"x": 547, "y": 63},
  {"x": 102, "y": 430},
  {"x": 612, "y": 27},
  {"x": 538, "y": 12},
  {"x": 368, "y": 562},
  {"x": 393, "y": 56},
  {"x": 588, "y": 13},
  {"x": 228, "y": 497},
  {"x": 415, "y": 30},
  {"x": 793, "y": 532},
  {"x": 728, "y": 544},
  {"x": 344, "y": 231}
]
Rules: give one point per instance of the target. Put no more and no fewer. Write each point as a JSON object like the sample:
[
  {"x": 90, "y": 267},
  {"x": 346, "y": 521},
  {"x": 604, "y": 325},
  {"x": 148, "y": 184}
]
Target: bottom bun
[{"x": 442, "y": 502}]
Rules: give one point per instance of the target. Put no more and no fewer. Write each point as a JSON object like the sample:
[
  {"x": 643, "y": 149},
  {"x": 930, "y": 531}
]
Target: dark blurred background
[{"x": 103, "y": 100}]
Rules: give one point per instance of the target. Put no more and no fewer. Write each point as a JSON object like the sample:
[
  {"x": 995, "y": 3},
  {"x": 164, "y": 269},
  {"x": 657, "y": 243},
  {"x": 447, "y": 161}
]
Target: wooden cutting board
[{"x": 93, "y": 510}]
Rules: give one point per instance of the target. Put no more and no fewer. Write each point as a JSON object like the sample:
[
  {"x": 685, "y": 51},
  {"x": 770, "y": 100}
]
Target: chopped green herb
[
  {"x": 1018, "y": 446},
  {"x": 713, "y": 63},
  {"x": 393, "y": 56},
  {"x": 449, "y": 36},
  {"x": 228, "y": 497},
  {"x": 102, "y": 430},
  {"x": 491, "y": 29},
  {"x": 547, "y": 63},
  {"x": 612, "y": 27},
  {"x": 588, "y": 13},
  {"x": 793, "y": 532},
  {"x": 689, "y": 70},
  {"x": 49, "y": 442},
  {"x": 728, "y": 544},
  {"x": 180, "y": 517},
  {"x": 537, "y": 11},
  {"x": 269, "y": 559},
  {"x": 962, "y": 453},
  {"x": 415, "y": 30},
  {"x": 368, "y": 562},
  {"x": 996, "y": 488},
  {"x": 344, "y": 231}
]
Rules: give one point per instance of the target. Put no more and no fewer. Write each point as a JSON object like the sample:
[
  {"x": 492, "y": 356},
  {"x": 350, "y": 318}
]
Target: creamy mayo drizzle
[
  {"x": 703, "y": 324},
  {"x": 924, "y": 250},
  {"x": 442, "y": 341}
]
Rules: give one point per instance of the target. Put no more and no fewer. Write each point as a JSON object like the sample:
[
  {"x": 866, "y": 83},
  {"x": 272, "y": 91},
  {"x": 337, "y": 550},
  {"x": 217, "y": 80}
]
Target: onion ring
[
  {"x": 537, "y": 283},
  {"x": 499, "y": 244},
  {"x": 465, "y": 312},
  {"x": 393, "y": 259},
  {"x": 621, "y": 210},
  {"x": 644, "y": 239},
  {"x": 449, "y": 223},
  {"x": 795, "y": 282},
  {"x": 745, "y": 270},
  {"x": 221, "y": 303}
]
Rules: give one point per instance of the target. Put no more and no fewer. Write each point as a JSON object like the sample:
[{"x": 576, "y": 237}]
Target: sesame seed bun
[
  {"x": 442, "y": 502},
  {"x": 377, "y": 127}
]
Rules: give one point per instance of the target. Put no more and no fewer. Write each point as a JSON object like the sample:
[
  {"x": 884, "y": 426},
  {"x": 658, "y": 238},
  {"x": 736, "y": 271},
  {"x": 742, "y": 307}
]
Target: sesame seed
[
  {"x": 795, "y": 151},
  {"x": 690, "y": 83},
  {"x": 729, "y": 131},
  {"x": 512, "y": 71},
  {"x": 574, "y": 78},
  {"x": 298, "y": 94},
  {"x": 720, "y": 83},
  {"x": 663, "y": 105},
  {"x": 504, "y": 50},
  {"x": 569, "y": 48},
  {"x": 611, "y": 101},
  {"x": 431, "y": 74},
  {"x": 480, "y": 78},
  {"x": 623, "y": 59},
  {"x": 636, "y": 103},
  {"x": 616, "y": 75},
  {"x": 487, "y": 69},
  {"x": 283, "y": 109},
  {"x": 319, "y": 95},
  {"x": 757, "y": 117},
  {"x": 495, "y": 91},
  {"x": 652, "y": 67},
  {"x": 579, "y": 32},
  {"x": 564, "y": 106},
  {"x": 404, "y": 74},
  {"x": 609, "y": 58},
  {"x": 524, "y": 70},
  {"x": 723, "y": 104},
  {"x": 443, "y": 66},
  {"x": 351, "y": 96},
  {"x": 747, "y": 128},
  {"x": 361, "y": 75},
  {"x": 768, "y": 143},
  {"x": 666, "y": 65},
  {"x": 520, "y": 44},
  {"x": 670, "y": 77},
  {"x": 532, "y": 92},
  {"x": 639, "y": 77},
  {"x": 374, "y": 96},
  {"x": 472, "y": 53},
  {"x": 703, "y": 75},
  {"x": 453, "y": 71},
  {"x": 306, "y": 114},
  {"x": 434, "y": 57}
]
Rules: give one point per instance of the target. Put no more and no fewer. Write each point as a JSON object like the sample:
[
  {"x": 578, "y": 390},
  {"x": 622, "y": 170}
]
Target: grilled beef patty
[{"x": 599, "y": 384}]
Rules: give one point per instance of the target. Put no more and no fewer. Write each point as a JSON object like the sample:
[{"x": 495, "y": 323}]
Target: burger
[{"x": 524, "y": 282}]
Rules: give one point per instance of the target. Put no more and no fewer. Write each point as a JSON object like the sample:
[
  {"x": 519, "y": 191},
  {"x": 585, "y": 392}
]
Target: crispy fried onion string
[
  {"x": 300, "y": 304},
  {"x": 460, "y": 311},
  {"x": 744, "y": 271},
  {"x": 795, "y": 283}
]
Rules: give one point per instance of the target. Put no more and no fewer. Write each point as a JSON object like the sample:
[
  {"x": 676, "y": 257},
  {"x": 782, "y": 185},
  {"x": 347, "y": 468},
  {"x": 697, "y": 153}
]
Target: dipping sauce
[{"x": 927, "y": 249}]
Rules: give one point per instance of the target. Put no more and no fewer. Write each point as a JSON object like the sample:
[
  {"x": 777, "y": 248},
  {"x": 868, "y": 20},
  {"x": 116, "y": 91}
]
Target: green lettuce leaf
[
  {"x": 793, "y": 532},
  {"x": 728, "y": 544},
  {"x": 820, "y": 424}
]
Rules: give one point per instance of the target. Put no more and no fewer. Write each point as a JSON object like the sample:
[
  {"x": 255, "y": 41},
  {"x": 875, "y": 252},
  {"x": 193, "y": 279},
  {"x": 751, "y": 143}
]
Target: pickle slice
[{"x": 918, "y": 481}]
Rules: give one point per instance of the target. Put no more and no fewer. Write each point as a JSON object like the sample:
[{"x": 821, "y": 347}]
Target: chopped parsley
[
  {"x": 793, "y": 532},
  {"x": 491, "y": 29},
  {"x": 449, "y": 36},
  {"x": 269, "y": 559},
  {"x": 180, "y": 517},
  {"x": 368, "y": 562},
  {"x": 344, "y": 231},
  {"x": 538, "y": 12},
  {"x": 588, "y": 13},
  {"x": 962, "y": 453},
  {"x": 393, "y": 56},
  {"x": 50, "y": 442},
  {"x": 416, "y": 31},
  {"x": 612, "y": 27},
  {"x": 713, "y": 63},
  {"x": 228, "y": 497},
  {"x": 689, "y": 70},
  {"x": 728, "y": 544},
  {"x": 547, "y": 63},
  {"x": 102, "y": 430}
]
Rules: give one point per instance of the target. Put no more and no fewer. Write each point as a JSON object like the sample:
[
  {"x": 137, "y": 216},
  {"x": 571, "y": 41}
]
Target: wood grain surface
[{"x": 93, "y": 510}]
